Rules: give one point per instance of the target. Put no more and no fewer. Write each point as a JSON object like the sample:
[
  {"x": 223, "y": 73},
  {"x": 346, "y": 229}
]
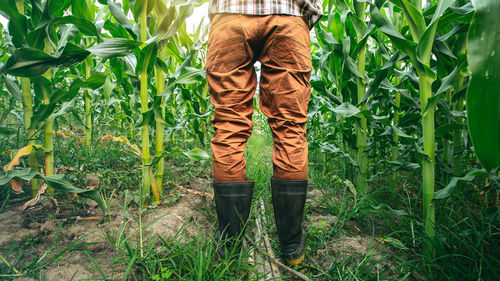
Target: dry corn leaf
[
  {"x": 17, "y": 186},
  {"x": 17, "y": 157},
  {"x": 124, "y": 140},
  {"x": 69, "y": 134},
  {"x": 190, "y": 191},
  {"x": 35, "y": 199}
]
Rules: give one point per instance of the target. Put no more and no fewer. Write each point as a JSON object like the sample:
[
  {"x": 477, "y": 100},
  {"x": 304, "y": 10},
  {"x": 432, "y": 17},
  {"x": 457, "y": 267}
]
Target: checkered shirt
[{"x": 311, "y": 10}]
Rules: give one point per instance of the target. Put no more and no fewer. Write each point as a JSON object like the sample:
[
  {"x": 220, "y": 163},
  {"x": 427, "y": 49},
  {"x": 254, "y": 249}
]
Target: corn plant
[
  {"x": 420, "y": 50},
  {"x": 159, "y": 24},
  {"x": 28, "y": 113},
  {"x": 362, "y": 126}
]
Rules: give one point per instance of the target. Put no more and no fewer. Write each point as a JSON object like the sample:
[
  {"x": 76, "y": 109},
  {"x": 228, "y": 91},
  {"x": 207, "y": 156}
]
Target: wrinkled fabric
[
  {"x": 281, "y": 44},
  {"x": 310, "y": 10}
]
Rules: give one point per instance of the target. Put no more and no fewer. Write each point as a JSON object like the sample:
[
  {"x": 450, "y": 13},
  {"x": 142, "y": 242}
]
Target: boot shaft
[
  {"x": 289, "y": 197},
  {"x": 232, "y": 202}
]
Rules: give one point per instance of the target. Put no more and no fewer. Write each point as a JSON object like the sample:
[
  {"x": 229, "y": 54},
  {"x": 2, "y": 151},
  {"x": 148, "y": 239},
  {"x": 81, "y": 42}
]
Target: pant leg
[
  {"x": 284, "y": 96},
  {"x": 232, "y": 82}
]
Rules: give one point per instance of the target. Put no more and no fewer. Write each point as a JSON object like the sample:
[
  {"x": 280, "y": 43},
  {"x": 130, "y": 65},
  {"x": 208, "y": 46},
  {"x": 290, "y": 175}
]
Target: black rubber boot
[
  {"x": 232, "y": 203},
  {"x": 289, "y": 198}
]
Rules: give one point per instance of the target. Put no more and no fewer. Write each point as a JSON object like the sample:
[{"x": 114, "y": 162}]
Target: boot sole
[{"x": 296, "y": 261}]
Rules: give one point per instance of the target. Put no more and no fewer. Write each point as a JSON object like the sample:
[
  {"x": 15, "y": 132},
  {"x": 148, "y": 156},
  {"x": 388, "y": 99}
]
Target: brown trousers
[{"x": 281, "y": 44}]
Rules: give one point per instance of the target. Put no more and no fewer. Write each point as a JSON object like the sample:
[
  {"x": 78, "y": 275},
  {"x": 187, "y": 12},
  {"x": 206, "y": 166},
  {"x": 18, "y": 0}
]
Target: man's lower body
[{"x": 281, "y": 44}]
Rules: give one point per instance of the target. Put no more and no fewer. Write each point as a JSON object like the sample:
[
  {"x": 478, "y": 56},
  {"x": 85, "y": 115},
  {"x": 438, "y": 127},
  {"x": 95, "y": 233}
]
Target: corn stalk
[
  {"x": 30, "y": 132},
  {"x": 420, "y": 50},
  {"x": 48, "y": 123},
  {"x": 459, "y": 106},
  {"x": 159, "y": 120},
  {"x": 28, "y": 114},
  {"x": 143, "y": 80},
  {"x": 88, "y": 105},
  {"x": 395, "y": 139},
  {"x": 362, "y": 126}
]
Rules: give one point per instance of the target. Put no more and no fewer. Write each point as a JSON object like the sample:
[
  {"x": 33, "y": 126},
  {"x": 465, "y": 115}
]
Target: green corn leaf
[
  {"x": 17, "y": 25},
  {"x": 359, "y": 25},
  {"x": 184, "y": 12},
  {"x": 85, "y": 26},
  {"x": 448, "y": 128},
  {"x": 337, "y": 28},
  {"x": 80, "y": 9},
  {"x": 116, "y": 29},
  {"x": 443, "y": 5},
  {"x": 160, "y": 9},
  {"x": 117, "y": 12},
  {"x": 415, "y": 19},
  {"x": 424, "y": 48},
  {"x": 400, "y": 133},
  {"x": 66, "y": 107},
  {"x": 146, "y": 118},
  {"x": 151, "y": 5},
  {"x": 189, "y": 75},
  {"x": 448, "y": 81},
  {"x": 432, "y": 103},
  {"x": 167, "y": 20},
  {"x": 95, "y": 81},
  {"x": 452, "y": 185},
  {"x": 385, "y": 26},
  {"x": 70, "y": 56},
  {"x": 346, "y": 110},
  {"x": 43, "y": 112},
  {"x": 115, "y": 47},
  {"x": 67, "y": 33},
  {"x": 27, "y": 62},
  {"x": 147, "y": 58},
  {"x": 197, "y": 154},
  {"x": 57, "y": 182},
  {"x": 353, "y": 67},
  {"x": 5, "y": 131},
  {"x": 13, "y": 88},
  {"x": 483, "y": 98},
  {"x": 137, "y": 7},
  {"x": 369, "y": 31}
]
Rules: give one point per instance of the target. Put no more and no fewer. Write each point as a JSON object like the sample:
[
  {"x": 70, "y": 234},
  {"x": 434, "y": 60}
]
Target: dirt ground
[
  {"x": 36, "y": 227},
  {"x": 353, "y": 244},
  {"x": 186, "y": 215}
]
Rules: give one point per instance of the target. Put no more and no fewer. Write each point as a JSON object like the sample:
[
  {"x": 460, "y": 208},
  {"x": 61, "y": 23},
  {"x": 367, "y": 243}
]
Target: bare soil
[{"x": 35, "y": 229}]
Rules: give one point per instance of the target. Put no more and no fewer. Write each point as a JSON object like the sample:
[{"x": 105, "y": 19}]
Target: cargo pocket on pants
[
  {"x": 291, "y": 48},
  {"x": 226, "y": 50}
]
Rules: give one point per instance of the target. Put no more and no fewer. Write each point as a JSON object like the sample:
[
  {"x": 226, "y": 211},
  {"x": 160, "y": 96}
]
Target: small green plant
[{"x": 164, "y": 274}]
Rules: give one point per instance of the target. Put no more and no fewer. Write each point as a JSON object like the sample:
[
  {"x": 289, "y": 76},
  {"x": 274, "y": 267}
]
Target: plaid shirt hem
[{"x": 311, "y": 10}]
